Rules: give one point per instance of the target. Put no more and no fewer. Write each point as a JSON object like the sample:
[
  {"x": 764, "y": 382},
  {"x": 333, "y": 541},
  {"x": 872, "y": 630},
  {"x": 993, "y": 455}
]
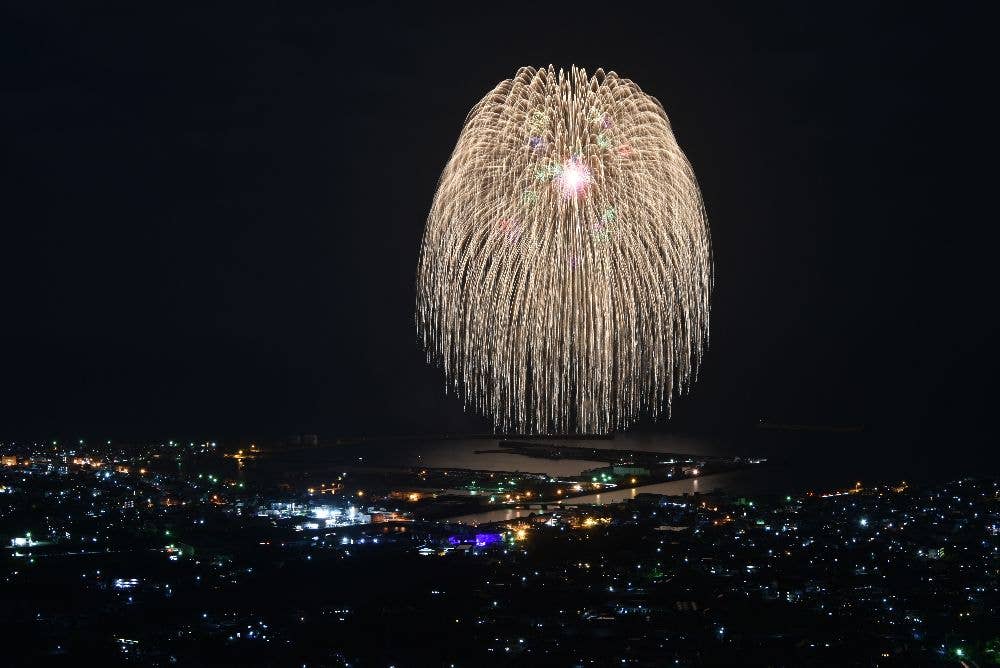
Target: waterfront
[
  {"x": 730, "y": 481},
  {"x": 851, "y": 458},
  {"x": 209, "y": 570},
  {"x": 788, "y": 468},
  {"x": 468, "y": 453}
]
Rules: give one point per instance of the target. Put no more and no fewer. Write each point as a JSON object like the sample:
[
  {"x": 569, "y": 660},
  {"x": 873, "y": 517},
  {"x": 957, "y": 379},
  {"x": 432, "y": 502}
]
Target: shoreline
[{"x": 522, "y": 510}]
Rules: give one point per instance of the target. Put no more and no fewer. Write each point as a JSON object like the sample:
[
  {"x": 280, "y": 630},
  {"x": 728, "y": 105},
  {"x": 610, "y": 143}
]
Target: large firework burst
[{"x": 565, "y": 272}]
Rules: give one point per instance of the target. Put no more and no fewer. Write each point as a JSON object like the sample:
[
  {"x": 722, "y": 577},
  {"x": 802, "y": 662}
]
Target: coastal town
[{"x": 97, "y": 538}]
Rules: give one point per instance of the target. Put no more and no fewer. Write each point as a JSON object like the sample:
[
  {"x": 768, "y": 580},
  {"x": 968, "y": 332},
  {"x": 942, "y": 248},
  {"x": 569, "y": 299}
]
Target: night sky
[{"x": 211, "y": 214}]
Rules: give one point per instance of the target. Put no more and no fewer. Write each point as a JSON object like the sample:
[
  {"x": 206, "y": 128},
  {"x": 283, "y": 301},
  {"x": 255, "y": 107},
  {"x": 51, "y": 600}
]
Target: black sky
[{"x": 211, "y": 213}]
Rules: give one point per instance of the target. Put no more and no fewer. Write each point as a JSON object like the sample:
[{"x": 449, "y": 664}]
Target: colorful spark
[{"x": 590, "y": 306}]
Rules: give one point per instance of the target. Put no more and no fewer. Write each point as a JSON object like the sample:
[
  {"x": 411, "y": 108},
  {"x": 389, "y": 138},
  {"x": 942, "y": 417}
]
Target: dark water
[
  {"x": 730, "y": 482},
  {"x": 437, "y": 454},
  {"x": 797, "y": 461}
]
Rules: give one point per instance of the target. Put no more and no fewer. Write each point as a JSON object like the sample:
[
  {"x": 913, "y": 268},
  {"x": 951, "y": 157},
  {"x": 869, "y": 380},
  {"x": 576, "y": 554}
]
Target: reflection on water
[
  {"x": 470, "y": 453},
  {"x": 677, "y": 487},
  {"x": 797, "y": 462},
  {"x": 466, "y": 454},
  {"x": 780, "y": 477},
  {"x": 756, "y": 480}
]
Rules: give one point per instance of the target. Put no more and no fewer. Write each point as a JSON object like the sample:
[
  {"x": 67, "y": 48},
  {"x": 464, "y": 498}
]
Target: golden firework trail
[{"x": 566, "y": 268}]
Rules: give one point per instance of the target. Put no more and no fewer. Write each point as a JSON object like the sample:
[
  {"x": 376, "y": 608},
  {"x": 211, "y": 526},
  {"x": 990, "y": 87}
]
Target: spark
[
  {"x": 574, "y": 178},
  {"x": 593, "y": 307}
]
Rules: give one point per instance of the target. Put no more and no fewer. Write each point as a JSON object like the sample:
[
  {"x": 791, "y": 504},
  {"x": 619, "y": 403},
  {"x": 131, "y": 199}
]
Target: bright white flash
[
  {"x": 566, "y": 267},
  {"x": 574, "y": 179}
]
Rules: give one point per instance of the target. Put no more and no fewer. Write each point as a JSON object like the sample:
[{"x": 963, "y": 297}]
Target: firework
[{"x": 565, "y": 272}]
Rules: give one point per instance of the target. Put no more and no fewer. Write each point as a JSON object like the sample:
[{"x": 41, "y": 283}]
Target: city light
[{"x": 876, "y": 558}]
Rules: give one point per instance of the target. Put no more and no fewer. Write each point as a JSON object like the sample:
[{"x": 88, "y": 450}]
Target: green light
[{"x": 959, "y": 651}]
